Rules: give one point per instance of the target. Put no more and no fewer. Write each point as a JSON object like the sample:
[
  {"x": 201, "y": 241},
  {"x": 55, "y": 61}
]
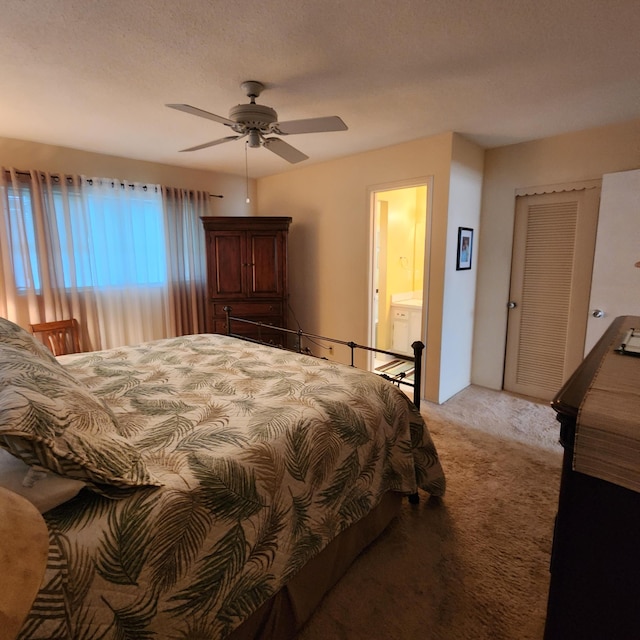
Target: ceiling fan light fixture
[{"x": 255, "y": 139}]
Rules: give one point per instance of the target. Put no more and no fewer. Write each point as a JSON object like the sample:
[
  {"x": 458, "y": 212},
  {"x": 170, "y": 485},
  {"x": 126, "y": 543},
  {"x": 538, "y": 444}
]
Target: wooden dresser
[
  {"x": 247, "y": 270},
  {"x": 594, "y": 591}
]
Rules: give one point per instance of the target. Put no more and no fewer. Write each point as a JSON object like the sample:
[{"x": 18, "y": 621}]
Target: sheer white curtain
[{"x": 125, "y": 261}]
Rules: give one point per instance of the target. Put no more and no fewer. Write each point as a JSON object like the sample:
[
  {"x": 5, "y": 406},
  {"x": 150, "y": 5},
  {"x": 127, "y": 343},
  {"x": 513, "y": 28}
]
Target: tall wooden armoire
[{"x": 247, "y": 271}]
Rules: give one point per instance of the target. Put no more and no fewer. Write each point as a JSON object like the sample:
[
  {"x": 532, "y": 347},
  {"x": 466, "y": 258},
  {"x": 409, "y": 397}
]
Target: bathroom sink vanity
[{"x": 406, "y": 321}]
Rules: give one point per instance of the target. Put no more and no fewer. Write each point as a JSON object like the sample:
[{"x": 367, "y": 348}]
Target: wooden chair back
[{"x": 61, "y": 336}]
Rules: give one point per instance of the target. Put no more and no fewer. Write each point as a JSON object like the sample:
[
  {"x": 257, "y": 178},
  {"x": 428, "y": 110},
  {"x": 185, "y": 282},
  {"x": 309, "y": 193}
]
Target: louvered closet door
[{"x": 554, "y": 240}]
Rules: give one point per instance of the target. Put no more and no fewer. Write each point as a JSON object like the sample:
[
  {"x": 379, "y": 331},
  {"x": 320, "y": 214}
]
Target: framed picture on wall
[{"x": 465, "y": 245}]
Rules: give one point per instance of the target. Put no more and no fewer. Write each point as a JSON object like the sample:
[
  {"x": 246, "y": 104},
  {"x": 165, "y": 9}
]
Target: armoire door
[
  {"x": 553, "y": 248},
  {"x": 266, "y": 253},
  {"x": 227, "y": 264}
]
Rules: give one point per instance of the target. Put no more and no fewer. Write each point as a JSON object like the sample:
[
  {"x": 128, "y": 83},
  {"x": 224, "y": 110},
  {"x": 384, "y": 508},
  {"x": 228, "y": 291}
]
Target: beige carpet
[{"x": 473, "y": 566}]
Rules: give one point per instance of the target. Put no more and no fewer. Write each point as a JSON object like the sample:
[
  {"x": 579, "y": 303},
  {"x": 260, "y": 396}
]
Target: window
[{"x": 108, "y": 236}]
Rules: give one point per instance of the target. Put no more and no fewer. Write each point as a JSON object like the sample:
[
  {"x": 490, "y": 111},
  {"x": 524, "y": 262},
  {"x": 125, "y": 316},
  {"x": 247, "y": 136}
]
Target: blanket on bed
[{"x": 264, "y": 457}]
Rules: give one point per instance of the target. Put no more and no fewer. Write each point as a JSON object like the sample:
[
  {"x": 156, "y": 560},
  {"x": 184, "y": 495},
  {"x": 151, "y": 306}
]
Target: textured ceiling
[{"x": 95, "y": 75}]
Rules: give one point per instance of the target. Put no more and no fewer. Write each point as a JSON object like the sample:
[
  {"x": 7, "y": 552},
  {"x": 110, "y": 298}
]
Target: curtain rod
[{"x": 69, "y": 179}]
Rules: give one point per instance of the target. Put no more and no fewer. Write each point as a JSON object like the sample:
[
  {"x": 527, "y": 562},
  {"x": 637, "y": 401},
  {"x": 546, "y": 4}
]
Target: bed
[{"x": 216, "y": 488}]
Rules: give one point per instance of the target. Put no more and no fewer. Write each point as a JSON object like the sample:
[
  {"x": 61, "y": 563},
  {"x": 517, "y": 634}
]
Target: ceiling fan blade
[
  {"x": 212, "y": 144},
  {"x": 187, "y": 108},
  {"x": 311, "y": 125},
  {"x": 284, "y": 150}
]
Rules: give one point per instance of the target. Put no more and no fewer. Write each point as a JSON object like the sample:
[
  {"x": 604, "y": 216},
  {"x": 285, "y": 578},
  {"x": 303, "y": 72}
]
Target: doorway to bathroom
[{"x": 398, "y": 298}]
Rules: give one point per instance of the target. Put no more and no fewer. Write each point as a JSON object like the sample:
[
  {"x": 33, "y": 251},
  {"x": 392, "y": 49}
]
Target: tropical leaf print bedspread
[{"x": 264, "y": 455}]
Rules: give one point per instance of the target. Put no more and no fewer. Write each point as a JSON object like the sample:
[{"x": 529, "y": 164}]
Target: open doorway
[{"x": 398, "y": 296}]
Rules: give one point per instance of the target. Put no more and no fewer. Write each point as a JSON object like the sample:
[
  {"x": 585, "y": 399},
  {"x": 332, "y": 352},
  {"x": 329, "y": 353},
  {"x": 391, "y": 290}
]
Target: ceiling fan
[{"x": 258, "y": 122}]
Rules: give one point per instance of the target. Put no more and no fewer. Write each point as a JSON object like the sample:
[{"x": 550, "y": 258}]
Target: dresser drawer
[
  {"x": 220, "y": 325},
  {"x": 248, "y": 310},
  {"x": 262, "y": 333}
]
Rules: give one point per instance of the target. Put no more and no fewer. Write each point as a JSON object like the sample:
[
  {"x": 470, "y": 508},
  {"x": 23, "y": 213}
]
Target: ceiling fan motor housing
[{"x": 252, "y": 116}]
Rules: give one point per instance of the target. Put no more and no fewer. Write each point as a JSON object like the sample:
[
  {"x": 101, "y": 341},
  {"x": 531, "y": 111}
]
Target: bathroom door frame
[{"x": 372, "y": 191}]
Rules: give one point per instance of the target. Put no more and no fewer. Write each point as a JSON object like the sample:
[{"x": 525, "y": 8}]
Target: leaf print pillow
[
  {"x": 49, "y": 420},
  {"x": 15, "y": 336}
]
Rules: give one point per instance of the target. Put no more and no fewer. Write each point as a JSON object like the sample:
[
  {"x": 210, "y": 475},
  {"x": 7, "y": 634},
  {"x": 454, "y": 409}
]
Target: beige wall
[
  {"x": 330, "y": 238},
  {"x": 24, "y": 155},
  {"x": 465, "y": 193},
  {"x": 578, "y": 156}
]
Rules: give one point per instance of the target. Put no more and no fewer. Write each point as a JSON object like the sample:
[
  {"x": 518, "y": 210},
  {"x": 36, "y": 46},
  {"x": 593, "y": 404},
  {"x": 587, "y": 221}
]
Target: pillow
[
  {"x": 13, "y": 335},
  {"x": 49, "y": 420},
  {"x": 45, "y": 493}
]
